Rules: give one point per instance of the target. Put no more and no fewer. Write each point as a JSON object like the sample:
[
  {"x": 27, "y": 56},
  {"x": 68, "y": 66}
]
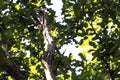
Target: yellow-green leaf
[{"x": 17, "y": 7}]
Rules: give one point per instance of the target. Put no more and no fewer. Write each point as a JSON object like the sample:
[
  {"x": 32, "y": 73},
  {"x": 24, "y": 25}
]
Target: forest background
[{"x": 31, "y": 40}]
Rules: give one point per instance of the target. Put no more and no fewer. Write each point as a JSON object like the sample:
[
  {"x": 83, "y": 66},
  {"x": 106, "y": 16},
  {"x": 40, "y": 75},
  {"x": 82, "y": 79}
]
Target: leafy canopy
[{"x": 94, "y": 22}]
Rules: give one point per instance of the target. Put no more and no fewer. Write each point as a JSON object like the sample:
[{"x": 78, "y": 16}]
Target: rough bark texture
[
  {"x": 49, "y": 53},
  {"x": 15, "y": 73},
  {"x": 11, "y": 69},
  {"x": 8, "y": 66},
  {"x": 48, "y": 71}
]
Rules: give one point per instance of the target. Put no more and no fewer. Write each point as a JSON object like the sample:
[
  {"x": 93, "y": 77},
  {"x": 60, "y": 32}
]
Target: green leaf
[{"x": 92, "y": 44}]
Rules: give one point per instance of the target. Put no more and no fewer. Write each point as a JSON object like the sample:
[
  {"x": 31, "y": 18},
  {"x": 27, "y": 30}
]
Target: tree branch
[
  {"x": 111, "y": 72},
  {"x": 102, "y": 57},
  {"x": 9, "y": 66},
  {"x": 95, "y": 32},
  {"x": 60, "y": 60}
]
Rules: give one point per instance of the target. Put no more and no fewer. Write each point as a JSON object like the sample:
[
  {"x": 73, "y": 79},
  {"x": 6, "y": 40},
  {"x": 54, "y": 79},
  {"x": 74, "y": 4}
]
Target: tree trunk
[
  {"x": 14, "y": 72},
  {"x": 11, "y": 69},
  {"x": 48, "y": 71},
  {"x": 8, "y": 66},
  {"x": 49, "y": 53}
]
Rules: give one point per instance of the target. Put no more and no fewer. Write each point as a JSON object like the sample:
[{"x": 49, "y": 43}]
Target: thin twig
[
  {"x": 108, "y": 67},
  {"x": 102, "y": 57},
  {"x": 61, "y": 55},
  {"x": 95, "y": 32}
]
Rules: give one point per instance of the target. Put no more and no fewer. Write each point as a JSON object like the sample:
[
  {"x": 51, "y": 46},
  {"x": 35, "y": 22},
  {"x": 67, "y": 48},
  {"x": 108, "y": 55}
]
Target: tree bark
[
  {"x": 48, "y": 71},
  {"x": 14, "y": 72},
  {"x": 49, "y": 53},
  {"x": 8, "y": 66}
]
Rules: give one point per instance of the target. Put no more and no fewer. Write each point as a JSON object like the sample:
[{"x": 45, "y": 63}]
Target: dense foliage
[{"x": 96, "y": 23}]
